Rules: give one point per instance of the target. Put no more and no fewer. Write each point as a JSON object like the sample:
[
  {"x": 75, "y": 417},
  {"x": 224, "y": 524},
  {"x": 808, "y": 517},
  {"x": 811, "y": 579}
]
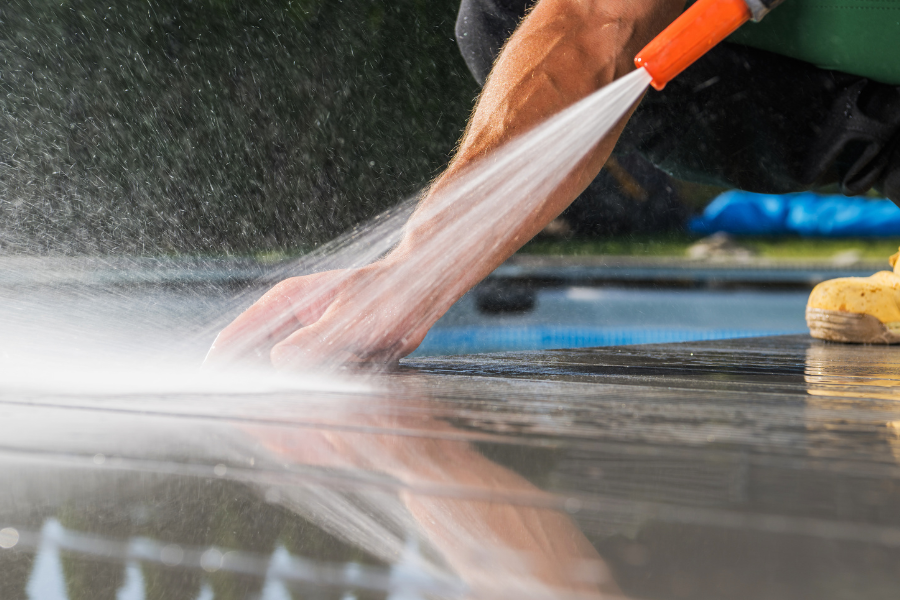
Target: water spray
[
  {"x": 478, "y": 211},
  {"x": 694, "y": 33}
]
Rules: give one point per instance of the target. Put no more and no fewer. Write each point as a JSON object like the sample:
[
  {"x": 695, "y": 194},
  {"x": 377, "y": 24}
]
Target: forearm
[
  {"x": 562, "y": 52},
  {"x": 479, "y": 211}
]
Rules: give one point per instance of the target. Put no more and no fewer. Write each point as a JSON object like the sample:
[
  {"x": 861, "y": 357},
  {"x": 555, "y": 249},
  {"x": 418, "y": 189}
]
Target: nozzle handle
[
  {"x": 690, "y": 36},
  {"x": 761, "y": 8}
]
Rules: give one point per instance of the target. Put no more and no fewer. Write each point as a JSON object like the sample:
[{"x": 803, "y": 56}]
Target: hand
[{"x": 328, "y": 319}]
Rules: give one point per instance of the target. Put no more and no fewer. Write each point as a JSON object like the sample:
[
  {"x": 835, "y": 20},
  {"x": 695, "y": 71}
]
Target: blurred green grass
[{"x": 677, "y": 244}]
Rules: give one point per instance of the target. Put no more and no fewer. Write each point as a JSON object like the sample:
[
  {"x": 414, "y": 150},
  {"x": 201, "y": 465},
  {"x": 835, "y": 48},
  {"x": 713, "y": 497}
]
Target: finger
[
  {"x": 282, "y": 310},
  {"x": 251, "y": 333},
  {"x": 308, "y": 348},
  {"x": 334, "y": 341}
]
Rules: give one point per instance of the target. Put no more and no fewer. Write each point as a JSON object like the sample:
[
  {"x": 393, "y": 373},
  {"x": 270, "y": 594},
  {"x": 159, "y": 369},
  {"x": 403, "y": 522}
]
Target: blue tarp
[
  {"x": 469, "y": 340},
  {"x": 805, "y": 214}
]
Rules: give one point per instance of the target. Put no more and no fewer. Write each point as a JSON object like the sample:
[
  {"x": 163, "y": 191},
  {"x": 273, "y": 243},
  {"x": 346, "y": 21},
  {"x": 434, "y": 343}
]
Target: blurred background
[
  {"x": 218, "y": 126},
  {"x": 225, "y": 127}
]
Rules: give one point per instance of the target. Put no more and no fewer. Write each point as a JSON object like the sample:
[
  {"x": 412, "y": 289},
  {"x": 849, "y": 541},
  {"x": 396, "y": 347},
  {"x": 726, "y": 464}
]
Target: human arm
[{"x": 563, "y": 51}]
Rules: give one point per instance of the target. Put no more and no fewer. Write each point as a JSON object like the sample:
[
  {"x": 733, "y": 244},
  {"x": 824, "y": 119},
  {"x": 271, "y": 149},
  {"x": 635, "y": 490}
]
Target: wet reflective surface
[
  {"x": 578, "y": 317},
  {"x": 73, "y": 308},
  {"x": 760, "y": 468}
]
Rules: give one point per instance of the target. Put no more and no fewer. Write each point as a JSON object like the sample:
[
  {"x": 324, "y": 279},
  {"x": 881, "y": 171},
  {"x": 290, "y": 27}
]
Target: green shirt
[{"x": 860, "y": 37}]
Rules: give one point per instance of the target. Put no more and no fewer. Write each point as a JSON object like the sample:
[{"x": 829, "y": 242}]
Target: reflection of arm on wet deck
[{"x": 495, "y": 529}]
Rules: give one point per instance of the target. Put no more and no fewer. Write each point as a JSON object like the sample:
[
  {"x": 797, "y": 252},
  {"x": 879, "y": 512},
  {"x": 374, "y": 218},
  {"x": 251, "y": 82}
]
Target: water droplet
[
  {"x": 211, "y": 560},
  {"x": 9, "y": 537},
  {"x": 172, "y": 555},
  {"x": 220, "y": 470},
  {"x": 573, "y": 505}
]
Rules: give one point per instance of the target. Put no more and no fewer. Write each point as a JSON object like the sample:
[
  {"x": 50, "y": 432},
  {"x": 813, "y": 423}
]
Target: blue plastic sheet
[
  {"x": 471, "y": 340},
  {"x": 805, "y": 214}
]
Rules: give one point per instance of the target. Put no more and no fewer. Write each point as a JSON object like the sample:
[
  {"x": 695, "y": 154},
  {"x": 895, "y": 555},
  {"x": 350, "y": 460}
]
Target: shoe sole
[{"x": 855, "y": 328}]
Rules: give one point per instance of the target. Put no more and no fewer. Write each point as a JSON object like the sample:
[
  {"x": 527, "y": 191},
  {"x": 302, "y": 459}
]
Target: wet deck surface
[{"x": 762, "y": 468}]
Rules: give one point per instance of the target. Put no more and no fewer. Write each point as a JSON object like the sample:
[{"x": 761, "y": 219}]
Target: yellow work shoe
[{"x": 863, "y": 310}]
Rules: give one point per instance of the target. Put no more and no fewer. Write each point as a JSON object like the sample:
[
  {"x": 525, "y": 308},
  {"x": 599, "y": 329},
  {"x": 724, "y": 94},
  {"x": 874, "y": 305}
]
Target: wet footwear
[{"x": 863, "y": 310}]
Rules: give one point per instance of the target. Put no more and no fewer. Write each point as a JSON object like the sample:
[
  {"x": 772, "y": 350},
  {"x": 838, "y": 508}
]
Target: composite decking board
[{"x": 752, "y": 468}]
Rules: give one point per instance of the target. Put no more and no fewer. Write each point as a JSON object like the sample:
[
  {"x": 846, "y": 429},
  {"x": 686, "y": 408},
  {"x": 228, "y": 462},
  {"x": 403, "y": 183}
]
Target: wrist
[{"x": 438, "y": 284}]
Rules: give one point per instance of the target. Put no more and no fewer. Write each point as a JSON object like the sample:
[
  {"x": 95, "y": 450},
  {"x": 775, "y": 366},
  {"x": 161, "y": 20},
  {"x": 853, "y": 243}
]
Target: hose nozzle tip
[{"x": 690, "y": 36}]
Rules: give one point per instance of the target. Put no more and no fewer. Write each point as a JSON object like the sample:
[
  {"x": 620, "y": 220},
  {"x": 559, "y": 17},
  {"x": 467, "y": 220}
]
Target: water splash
[
  {"x": 160, "y": 126},
  {"x": 469, "y": 217},
  {"x": 107, "y": 325}
]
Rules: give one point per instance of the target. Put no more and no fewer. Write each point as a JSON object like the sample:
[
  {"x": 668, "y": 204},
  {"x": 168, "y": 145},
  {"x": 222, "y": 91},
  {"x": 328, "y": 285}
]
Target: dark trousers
[{"x": 741, "y": 117}]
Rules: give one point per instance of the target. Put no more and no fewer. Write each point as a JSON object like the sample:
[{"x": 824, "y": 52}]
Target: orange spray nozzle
[{"x": 690, "y": 36}]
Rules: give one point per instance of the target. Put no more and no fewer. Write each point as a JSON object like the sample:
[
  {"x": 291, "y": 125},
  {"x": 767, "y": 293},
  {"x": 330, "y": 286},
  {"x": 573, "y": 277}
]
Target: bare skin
[{"x": 563, "y": 51}]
